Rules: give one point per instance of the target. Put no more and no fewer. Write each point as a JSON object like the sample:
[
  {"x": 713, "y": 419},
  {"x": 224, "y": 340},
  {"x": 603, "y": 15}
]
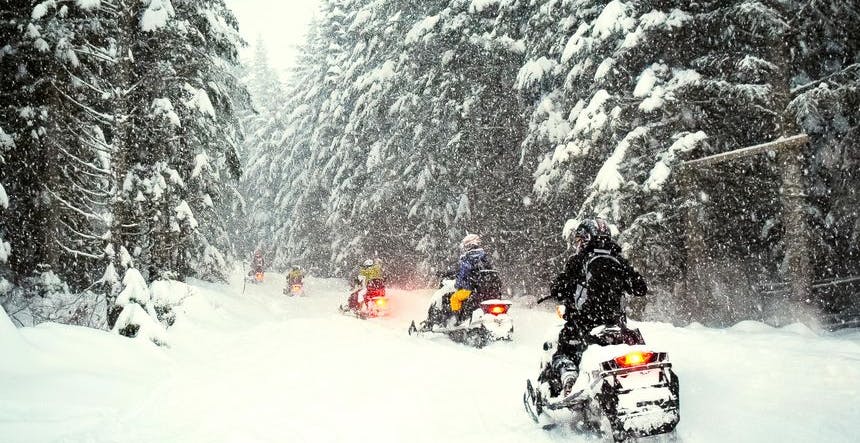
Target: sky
[{"x": 282, "y": 24}]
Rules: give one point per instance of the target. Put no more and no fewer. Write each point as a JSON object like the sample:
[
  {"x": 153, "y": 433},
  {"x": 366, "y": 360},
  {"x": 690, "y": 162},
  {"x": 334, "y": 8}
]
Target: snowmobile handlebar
[{"x": 541, "y": 300}]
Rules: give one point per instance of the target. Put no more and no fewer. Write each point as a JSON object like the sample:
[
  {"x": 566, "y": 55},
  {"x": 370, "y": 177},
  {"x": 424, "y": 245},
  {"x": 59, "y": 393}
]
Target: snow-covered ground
[{"x": 264, "y": 367}]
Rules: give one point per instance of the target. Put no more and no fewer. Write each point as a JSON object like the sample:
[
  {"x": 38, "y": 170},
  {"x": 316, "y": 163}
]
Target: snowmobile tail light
[
  {"x": 635, "y": 358},
  {"x": 496, "y": 309}
]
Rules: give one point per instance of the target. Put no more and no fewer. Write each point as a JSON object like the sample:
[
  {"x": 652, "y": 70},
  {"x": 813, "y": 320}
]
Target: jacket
[
  {"x": 468, "y": 266},
  {"x": 593, "y": 283}
]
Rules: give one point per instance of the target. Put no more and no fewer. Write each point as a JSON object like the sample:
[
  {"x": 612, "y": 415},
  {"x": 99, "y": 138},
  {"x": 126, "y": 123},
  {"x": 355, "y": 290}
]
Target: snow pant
[{"x": 568, "y": 354}]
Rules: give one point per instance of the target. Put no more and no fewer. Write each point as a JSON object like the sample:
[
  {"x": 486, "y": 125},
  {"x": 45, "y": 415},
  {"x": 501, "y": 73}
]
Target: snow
[
  {"x": 4, "y": 199},
  {"x": 156, "y": 15},
  {"x": 199, "y": 100},
  {"x": 661, "y": 170},
  {"x": 647, "y": 80},
  {"x": 613, "y": 18},
  {"x": 593, "y": 117},
  {"x": 163, "y": 107},
  {"x": 169, "y": 292},
  {"x": 134, "y": 289},
  {"x": 603, "y": 68},
  {"x": 201, "y": 163},
  {"x": 41, "y": 10},
  {"x": 575, "y": 44},
  {"x": 255, "y": 366},
  {"x": 5, "y": 248},
  {"x": 41, "y": 45},
  {"x": 421, "y": 28},
  {"x": 183, "y": 212},
  {"x": 88, "y": 4},
  {"x": 608, "y": 177},
  {"x": 533, "y": 72},
  {"x": 482, "y": 5}
]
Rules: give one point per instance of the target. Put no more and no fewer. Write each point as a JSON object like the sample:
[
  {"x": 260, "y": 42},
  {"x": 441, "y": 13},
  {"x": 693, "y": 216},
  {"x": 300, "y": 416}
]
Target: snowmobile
[
  {"x": 478, "y": 323},
  {"x": 296, "y": 289},
  {"x": 256, "y": 276},
  {"x": 373, "y": 304},
  {"x": 624, "y": 390}
]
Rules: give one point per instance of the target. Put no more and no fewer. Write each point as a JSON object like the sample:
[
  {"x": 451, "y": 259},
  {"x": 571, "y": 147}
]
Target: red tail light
[
  {"x": 496, "y": 309},
  {"x": 635, "y": 358}
]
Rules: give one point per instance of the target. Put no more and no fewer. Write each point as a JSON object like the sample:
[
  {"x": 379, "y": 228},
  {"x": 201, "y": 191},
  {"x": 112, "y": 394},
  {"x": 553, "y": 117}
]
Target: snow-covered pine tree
[
  {"x": 264, "y": 128},
  {"x": 6, "y": 143},
  {"x": 178, "y": 148},
  {"x": 463, "y": 127},
  {"x": 825, "y": 98},
  {"x": 56, "y": 110},
  {"x": 646, "y": 82},
  {"x": 304, "y": 163},
  {"x": 175, "y": 138}
]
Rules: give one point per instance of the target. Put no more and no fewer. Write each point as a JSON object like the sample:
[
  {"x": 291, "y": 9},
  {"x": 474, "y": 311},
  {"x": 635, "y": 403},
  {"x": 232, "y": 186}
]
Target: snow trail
[{"x": 270, "y": 368}]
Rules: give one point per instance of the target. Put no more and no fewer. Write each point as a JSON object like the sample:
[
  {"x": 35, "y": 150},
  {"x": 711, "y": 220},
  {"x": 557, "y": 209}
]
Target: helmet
[
  {"x": 470, "y": 241},
  {"x": 258, "y": 253},
  {"x": 590, "y": 230},
  {"x": 367, "y": 263}
]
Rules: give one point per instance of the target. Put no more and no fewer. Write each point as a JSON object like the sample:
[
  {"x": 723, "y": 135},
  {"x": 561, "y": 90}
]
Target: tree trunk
[{"x": 695, "y": 284}]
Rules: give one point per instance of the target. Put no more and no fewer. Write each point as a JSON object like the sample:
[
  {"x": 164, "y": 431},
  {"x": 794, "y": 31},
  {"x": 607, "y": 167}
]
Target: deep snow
[{"x": 265, "y": 367}]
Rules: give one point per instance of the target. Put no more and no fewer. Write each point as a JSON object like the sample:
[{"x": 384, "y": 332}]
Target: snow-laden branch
[
  {"x": 805, "y": 86},
  {"x": 65, "y": 203},
  {"x": 107, "y": 119},
  {"x": 79, "y": 233},
  {"x": 78, "y": 253},
  {"x": 82, "y": 162}
]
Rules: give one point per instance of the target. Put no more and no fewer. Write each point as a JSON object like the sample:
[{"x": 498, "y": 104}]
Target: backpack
[
  {"x": 485, "y": 280},
  {"x": 602, "y": 256}
]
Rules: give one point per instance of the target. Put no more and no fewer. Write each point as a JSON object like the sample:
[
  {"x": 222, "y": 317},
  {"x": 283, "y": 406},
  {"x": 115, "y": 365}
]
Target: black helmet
[{"x": 591, "y": 230}]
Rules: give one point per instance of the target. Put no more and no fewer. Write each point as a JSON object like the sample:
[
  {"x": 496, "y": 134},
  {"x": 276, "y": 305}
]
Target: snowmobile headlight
[{"x": 560, "y": 310}]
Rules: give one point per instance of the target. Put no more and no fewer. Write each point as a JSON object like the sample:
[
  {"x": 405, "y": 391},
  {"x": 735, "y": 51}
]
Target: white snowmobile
[
  {"x": 480, "y": 321},
  {"x": 624, "y": 389}
]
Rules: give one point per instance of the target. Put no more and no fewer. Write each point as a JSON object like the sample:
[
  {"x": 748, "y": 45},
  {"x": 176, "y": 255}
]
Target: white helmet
[
  {"x": 470, "y": 241},
  {"x": 367, "y": 263}
]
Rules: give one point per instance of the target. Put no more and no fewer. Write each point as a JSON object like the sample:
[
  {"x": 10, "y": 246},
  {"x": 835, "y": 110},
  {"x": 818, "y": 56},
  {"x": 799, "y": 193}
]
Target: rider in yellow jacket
[{"x": 370, "y": 270}]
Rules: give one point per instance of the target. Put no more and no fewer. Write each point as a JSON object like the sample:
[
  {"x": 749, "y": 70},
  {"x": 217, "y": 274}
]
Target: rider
[
  {"x": 591, "y": 287},
  {"x": 258, "y": 263},
  {"x": 369, "y": 276},
  {"x": 471, "y": 263},
  {"x": 295, "y": 276}
]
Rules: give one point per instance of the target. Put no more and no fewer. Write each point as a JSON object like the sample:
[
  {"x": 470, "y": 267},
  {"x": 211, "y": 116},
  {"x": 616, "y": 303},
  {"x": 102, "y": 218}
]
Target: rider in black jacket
[{"x": 591, "y": 288}]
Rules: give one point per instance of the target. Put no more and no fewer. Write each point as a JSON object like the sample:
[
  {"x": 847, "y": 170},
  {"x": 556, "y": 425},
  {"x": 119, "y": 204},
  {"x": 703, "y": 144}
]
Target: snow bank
[
  {"x": 251, "y": 366},
  {"x": 7, "y": 329},
  {"x": 170, "y": 292}
]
